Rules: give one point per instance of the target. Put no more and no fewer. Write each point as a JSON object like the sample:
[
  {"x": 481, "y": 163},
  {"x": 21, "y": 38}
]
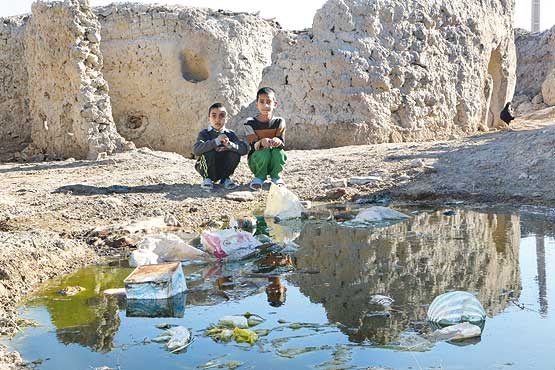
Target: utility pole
[{"x": 535, "y": 16}]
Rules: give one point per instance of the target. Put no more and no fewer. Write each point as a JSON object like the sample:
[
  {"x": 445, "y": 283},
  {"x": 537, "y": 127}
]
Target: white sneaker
[
  {"x": 207, "y": 184},
  {"x": 256, "y": 184},
  {"x": 278, "y": 181},
  {"x": 229, "y": 184}
]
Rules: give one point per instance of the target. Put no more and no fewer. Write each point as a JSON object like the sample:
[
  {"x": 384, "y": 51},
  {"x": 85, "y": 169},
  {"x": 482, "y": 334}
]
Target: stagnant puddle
[{"x": 316, "y": 301}]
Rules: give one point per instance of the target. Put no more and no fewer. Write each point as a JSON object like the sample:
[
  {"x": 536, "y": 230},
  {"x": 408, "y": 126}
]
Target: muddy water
[{"x": 316, "y": 301}]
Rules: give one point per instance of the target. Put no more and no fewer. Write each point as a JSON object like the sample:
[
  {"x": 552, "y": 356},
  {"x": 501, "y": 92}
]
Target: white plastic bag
[
  {"x": 460, "y": 331},
  {"x": 234, "y": 322},
  {"x": 170, "y": 247},
  {"x": 282, "y": 203},
  {"x": 456, "y": 307},
  {"x": 378, "y": 213},
  {"x": 229, "y": 244},
  {"x": 180, "y": 337},
  {"x": 142, "y": 257}
]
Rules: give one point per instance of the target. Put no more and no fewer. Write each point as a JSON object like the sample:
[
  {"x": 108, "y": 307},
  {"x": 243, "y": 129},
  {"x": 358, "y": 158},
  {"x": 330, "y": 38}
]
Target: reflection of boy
[
  {"x": 275, "y": 291},
  {"x": 265, "y": 135},
  {"x": 219, "y": 150}
]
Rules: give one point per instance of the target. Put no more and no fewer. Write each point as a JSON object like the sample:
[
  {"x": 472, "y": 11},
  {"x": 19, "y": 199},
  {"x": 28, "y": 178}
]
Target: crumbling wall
[
  {"x": 392, "y": 70},
  {"x": 535, "y": 87},
  {"x": 166, "y": 65},
  {"x": 68, "y": 96},
  {"x": 15, "y": 127}
]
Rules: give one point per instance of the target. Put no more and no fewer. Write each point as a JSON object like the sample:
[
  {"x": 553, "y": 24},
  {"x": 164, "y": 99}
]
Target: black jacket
[{"x": 206, "y": 141}]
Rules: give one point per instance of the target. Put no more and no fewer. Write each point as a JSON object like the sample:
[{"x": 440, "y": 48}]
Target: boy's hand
[
  {"x": 276, "y": 142},
  {"x": 223, "y": 139},
  {"x": 265, "y": 143}
]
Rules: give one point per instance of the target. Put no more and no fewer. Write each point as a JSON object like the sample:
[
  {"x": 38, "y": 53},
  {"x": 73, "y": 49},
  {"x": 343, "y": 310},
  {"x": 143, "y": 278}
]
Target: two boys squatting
[{"x": 219, "y": 150}]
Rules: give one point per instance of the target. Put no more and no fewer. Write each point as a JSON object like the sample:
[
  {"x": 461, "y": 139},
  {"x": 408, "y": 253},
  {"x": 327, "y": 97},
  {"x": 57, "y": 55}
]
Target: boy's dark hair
[
  {"x": 265, "y": 91},
  {"x": 215, "y": 106}
]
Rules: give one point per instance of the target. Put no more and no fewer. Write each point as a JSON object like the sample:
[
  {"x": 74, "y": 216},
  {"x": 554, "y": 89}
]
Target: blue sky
[{"x": 292, "y": 14}]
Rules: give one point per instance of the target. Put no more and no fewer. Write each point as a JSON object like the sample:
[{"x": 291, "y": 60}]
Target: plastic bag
[
  {"x": 245, "y": 336},
  {"x": 158, "y": 248},
  {"x": 170, "y": 247},
  {"x": 282, "y": 203},
  {"x": 142, "y": 257},
  {"x": 229, "y": 244},
  {"x": 179, "y": 338},
  {"x": 378, "y": 213},
  {"x": 456, "y": 307},
  {"x": 460, "y": 331},
  {"x": 234, "y": 321}
]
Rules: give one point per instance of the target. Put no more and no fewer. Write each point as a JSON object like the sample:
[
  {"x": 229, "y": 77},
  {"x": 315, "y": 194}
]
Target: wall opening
[
  {"x": 495, "y": 88},
  {"x": 193, "y": 67},
  {"x": 133, "y": 125}
]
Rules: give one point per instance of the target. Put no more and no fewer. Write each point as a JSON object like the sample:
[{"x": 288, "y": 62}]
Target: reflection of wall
[
  {"x": 99, "y": 334},
  {"x": 87, "y": 318},
  {"x": 412, "y": 262}
]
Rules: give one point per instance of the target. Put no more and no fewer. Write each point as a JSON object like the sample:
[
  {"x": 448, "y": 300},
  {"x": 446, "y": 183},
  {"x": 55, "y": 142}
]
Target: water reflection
[
  {"x": 98, "y": 334},
  {"x": 412, "y": 262},
  {"x": 88, "y": 318}
]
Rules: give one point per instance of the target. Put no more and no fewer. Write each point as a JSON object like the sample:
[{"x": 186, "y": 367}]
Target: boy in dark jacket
[{"x": 219, "y": 150}]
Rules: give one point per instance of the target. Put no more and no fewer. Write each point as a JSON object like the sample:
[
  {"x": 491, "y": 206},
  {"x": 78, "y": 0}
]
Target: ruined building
[{"x": 76, "y": 81}]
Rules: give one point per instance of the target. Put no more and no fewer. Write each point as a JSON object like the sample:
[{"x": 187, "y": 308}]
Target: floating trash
[
  {"x": 177, "y": 338},
  {"x": 456, "y": 307},
  {"x": 460, "y": 331},
  {"x": 381, "y": 300},
  {"x": 234, "y": 321},
  {"x": 378, "y": 213},
  {"x": 155, "y": 281}
]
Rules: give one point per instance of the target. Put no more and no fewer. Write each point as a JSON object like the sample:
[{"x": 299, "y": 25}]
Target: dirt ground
[{"x": 48, "y": 209}]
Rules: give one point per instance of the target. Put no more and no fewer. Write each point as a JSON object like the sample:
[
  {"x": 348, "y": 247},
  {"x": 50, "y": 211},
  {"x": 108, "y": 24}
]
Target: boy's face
[
  {"x": 218, "y": 118},
  {"x": 266, "y": 103}
]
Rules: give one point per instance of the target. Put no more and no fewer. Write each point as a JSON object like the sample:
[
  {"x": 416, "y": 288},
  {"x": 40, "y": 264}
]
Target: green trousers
[{"x": 267, "y": 162}]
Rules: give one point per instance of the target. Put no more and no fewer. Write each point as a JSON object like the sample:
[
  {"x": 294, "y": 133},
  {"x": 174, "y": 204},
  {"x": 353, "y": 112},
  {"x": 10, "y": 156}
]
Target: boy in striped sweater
[{"x": 265, "y": 134}]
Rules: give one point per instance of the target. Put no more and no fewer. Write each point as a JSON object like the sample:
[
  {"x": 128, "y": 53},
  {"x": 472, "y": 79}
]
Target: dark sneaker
[
  {"x": 207, "y": 184},
  {"x": 229, "y": 184}
]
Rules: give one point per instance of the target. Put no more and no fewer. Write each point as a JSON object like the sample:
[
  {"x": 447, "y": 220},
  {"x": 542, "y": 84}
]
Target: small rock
[
  {"x": 404, "y": 177},
  {"x": 71, "y": 290},
  {"x": 101, "y": 156},
  {"x": 92, "y": 59},
  {"x": 307, "y": 204},
  {"x": 429, "y": 169},
  {"x": 170, "y": 220},
  {"x": 240, "y": 196},
  {"x": 113, "y": 202},
  {"x": 335, "y": 194},
  {"x": 522, "y": 175},
  {"x": 93, "y": 35},
  {"x": 124, "y": 242},
  {"x": 364, "y": 180},
  {"x": 338, "y": 183},
  {"x": 418, "y": 162}
]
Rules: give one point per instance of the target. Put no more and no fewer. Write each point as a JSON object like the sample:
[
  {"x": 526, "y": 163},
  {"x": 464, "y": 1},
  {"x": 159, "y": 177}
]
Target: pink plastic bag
[{"x": 229, "y": 244}]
